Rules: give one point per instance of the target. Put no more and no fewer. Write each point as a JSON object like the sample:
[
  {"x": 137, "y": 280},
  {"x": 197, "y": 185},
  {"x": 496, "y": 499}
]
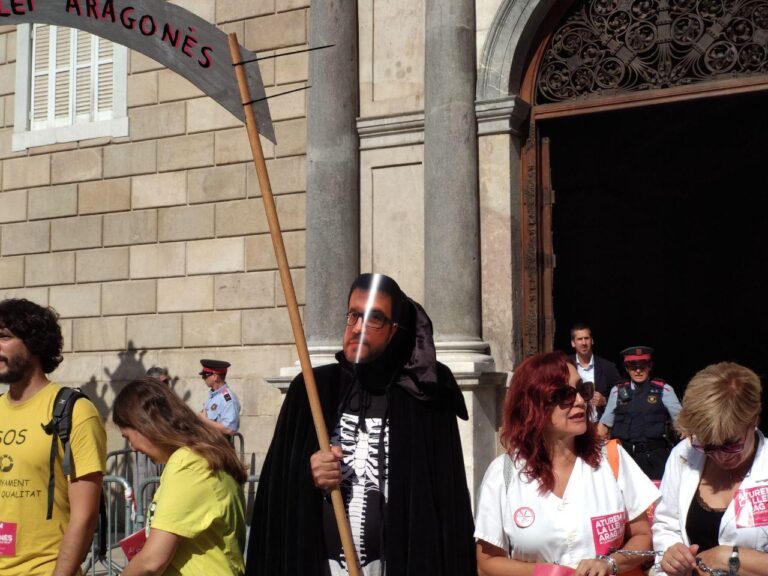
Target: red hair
[{"x": 527, "y": 412}]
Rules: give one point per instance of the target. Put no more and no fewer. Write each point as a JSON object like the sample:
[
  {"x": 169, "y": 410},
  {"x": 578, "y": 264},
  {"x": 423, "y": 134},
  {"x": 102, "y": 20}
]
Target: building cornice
[
  {"x": 501, "y": 115},
  {"x": 392, "y": 130}
]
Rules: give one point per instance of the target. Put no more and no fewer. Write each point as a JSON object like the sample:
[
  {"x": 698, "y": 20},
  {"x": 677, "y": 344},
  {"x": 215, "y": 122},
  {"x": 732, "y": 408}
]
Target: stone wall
[
  {"x": 154, "y": 248},
  {"x": 391, "y": 128}
]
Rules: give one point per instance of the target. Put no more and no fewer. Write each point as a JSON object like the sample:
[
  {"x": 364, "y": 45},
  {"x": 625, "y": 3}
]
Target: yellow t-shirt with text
[
  {"x": 205, "y": 508},
  {"x": 25, "y": 451}
]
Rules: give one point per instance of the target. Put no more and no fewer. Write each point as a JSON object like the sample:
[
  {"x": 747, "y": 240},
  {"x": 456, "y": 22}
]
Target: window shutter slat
[
  {"x": 106, "y": 87},
  {"x": 106, "y": 49},
  {"x": 41, "y": 46},
  {"x": 40, "y": 99},
  {"x": 40, "y": 75},
  {"x": 83, "y": 92},
  {"x": 83, "y": 48},
  {"x": 63, "y": 47},
  {"x": 62, "y": 95}
]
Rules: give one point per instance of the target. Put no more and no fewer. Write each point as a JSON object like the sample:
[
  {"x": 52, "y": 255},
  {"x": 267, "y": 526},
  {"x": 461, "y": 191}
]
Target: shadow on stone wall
[{"x": 130, "y": 367}]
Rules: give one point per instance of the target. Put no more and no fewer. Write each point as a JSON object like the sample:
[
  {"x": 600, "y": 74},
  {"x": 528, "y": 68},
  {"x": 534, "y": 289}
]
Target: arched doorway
[{"x": 642, "y": 178}]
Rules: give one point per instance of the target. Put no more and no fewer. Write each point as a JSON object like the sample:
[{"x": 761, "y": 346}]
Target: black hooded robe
[{"x": 428, "y": 519}]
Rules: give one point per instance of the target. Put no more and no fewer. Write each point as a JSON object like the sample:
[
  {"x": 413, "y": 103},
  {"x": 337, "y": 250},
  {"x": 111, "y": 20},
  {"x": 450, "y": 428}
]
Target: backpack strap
[
  {"x": 60, "y": 428},
  {"x": 612, "y": 450}
]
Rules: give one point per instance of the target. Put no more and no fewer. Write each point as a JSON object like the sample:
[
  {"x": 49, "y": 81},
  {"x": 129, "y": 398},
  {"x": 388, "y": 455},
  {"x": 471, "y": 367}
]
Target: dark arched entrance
[
  {"x": 659, "y": 231},
  {"x": 647, "y": 124}
]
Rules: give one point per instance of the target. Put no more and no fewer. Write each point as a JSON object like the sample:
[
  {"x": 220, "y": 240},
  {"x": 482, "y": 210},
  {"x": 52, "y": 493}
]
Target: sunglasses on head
[
  {"x": 565, "y": 397},
  {"x": 726, "y": 448}
]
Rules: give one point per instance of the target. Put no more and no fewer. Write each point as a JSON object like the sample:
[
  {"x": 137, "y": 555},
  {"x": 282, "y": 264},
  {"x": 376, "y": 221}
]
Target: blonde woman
[
  {"x": 196, "y": 522},
  {"x": 715, "y": 488}
]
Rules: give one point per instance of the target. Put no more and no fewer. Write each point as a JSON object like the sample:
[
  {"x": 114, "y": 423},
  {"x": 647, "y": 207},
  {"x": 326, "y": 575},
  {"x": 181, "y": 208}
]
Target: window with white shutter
[{"x": 70, "y": 85}]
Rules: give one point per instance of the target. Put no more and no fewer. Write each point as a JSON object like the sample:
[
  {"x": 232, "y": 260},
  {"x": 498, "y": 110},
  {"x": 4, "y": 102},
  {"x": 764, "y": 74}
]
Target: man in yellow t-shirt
[{"x": 31, "y": 545}]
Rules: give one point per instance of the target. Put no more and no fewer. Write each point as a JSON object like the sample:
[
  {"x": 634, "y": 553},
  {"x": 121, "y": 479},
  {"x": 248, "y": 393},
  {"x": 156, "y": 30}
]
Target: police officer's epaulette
[
  {"x": 226, "y": 394},
  {"x": 658, "y": 382}
]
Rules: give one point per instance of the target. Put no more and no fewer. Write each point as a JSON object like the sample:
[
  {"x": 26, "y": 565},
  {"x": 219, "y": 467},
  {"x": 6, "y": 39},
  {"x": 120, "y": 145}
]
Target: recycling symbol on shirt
[{"x": 6, "y": 463}]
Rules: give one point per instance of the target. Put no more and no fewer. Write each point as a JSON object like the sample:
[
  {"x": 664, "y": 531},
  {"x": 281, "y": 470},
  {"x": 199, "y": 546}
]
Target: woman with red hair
[{"x": 553, "y": 505}]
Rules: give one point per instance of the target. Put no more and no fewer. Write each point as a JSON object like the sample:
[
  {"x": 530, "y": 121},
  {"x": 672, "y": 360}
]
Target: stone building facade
[{"x": 402, "y": 158}]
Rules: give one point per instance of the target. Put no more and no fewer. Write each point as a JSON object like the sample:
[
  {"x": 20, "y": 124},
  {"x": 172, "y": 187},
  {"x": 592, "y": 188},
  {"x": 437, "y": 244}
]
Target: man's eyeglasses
[
  {"x": 725, "y": 448},
  {"x": 565, "y": 397},
  {"x": 205, "y": 375},
  {"x": 374, "y": 320}
]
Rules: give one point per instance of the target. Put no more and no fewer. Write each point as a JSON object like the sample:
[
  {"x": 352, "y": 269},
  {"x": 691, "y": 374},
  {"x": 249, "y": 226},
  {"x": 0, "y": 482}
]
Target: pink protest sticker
[
  {"x": 751, "y": 507},
  {"x": 524, "y": 517},
  {"x": 608, "y": 532},
  {"x": 7, "y": 539}
]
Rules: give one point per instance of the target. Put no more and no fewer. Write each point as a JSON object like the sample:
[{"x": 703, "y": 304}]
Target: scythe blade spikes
[
  {"x": 260, "y": 58},
  {"x": 276, "y": 95}
]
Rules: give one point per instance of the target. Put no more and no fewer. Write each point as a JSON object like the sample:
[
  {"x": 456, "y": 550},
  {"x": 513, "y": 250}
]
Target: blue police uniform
[
  {"x": 642, "y": 422},
  {"x": 640, "y": 415},
  {"x": 223, "y": 406}
]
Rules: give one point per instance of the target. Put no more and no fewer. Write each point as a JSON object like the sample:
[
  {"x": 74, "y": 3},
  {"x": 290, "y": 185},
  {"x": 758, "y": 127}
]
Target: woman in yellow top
[{"x": 196, "y": 522}]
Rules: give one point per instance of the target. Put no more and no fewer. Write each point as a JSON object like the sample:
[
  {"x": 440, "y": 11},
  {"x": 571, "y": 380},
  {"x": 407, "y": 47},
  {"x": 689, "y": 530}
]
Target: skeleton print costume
[{"x": 362, "y": 434}]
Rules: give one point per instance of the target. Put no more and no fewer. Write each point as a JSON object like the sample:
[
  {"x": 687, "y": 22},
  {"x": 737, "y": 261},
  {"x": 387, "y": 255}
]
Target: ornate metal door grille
[{"x": 610, "y": 46}]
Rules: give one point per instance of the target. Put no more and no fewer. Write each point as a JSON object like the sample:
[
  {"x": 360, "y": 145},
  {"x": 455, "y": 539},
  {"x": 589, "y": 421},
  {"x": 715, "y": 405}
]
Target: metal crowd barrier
[
  {"x": 250, "y": 496},
  {"x": 122, "y": 462},
  {"x": 115, "y": 522},
  {"x": 144, "y": 494},
  {"x": 238, "y": 443}
]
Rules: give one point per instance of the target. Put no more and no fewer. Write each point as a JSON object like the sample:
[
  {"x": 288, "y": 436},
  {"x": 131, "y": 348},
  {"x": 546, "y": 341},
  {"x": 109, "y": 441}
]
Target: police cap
[
  {"x": 214, "y": 366},
  {"x": 637, "y": 353}
]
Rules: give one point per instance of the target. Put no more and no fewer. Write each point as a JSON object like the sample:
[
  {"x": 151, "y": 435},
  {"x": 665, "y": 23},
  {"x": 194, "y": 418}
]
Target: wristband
[{"x": 611, "y": 562}]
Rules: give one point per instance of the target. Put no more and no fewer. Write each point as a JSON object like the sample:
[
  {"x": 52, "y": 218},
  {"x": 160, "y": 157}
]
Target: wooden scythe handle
[{"x": 290, "y": 298}]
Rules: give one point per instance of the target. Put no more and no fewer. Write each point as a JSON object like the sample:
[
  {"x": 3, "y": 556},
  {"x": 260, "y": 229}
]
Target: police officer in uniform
[
  {"x": 222, "y": 409},
  {"x": 640, "y": 413}
]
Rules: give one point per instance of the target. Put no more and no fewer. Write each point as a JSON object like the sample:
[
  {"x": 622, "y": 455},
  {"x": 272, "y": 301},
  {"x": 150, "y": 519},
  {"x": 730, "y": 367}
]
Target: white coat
[
  {"x": 680, "y": 482},
  {"x": 588, "y": 520}
]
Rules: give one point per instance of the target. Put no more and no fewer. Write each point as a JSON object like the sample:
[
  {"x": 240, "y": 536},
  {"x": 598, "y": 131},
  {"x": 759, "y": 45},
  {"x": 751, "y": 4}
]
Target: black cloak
[{"x": 428, "y": 519}]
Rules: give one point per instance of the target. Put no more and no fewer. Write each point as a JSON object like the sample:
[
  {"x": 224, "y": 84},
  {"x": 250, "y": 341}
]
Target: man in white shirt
[{"x": 593, "y": 368}]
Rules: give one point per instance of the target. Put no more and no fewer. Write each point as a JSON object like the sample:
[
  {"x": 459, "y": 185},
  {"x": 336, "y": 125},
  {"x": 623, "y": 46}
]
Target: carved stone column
[
  {"x": 333, "y": 237},
  {"x": 452, "y": 279},
  {"x": 452, "y": 234}
]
